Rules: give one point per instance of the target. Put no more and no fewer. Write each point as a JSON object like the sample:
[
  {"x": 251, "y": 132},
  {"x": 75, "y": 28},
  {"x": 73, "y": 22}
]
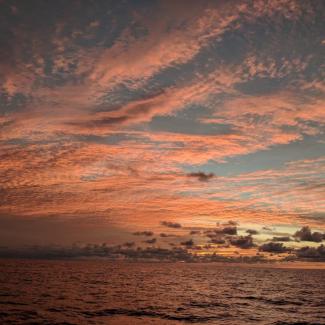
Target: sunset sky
[{"x": 172, "y": 117}]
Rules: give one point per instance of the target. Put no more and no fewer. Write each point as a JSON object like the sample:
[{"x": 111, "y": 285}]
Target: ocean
[{"x": 106, "y": 292}]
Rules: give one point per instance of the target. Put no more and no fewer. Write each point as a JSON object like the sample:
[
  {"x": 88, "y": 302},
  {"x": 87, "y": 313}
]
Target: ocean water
[{"x": 103, "y": 292}]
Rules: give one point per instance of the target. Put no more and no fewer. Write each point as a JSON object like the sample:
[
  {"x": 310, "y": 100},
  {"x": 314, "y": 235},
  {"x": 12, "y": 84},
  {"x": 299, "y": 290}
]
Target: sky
[{"x": 179, "y": 118}]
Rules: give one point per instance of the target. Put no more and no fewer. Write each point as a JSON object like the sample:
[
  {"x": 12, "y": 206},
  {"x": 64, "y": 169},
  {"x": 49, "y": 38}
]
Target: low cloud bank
[
  {"x": 185, "y": 252},
  {"x": 123, "y": 252},
  {"x": 224, "y": 236}
]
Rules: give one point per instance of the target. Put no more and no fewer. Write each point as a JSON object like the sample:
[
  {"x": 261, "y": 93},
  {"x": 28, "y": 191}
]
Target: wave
[
  {"x": 14, "y": 303},
  {"x": 296, "y": 323},
  {"x": 146, "y": 313},
  {"x": 280, "y": 302}
]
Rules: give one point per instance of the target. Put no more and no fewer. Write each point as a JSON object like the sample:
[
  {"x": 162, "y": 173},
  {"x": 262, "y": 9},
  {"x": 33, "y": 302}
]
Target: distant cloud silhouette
[
  {"x": 188, "y": 243},
  {"x": 252, "y": 231},
  {"x": 305, "y": 234},
  {"x": 283, "y": 238},
  {"x": 150, "y": 241},
  {"x": 227, "y": 230},
  {"x": 242, "y": 242},
  {"x": 167, "y": 235},
  {"x": 143, "y": 233},
  {"x": 312, "y": 252},
  {"x": 171, "y": 224},
  {"x": 273, "y": 247},
  {"x": 201, "y": 176}
]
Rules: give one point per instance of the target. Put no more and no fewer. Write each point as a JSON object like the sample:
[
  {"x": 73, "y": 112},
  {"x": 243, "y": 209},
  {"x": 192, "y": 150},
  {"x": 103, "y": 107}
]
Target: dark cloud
[
  {"x": 129, "y": 244},
  {"x": 227, "y": 230},
  {"x": 201, "y": 176},
  {"x": 242, "y": 242},
  {"x": 195, "y": 232},
  {"x": 282, "y": 238},
  {"x": 217, "y": 240},
  {"x": 312, "y": 252},
  {"x": 166, "y": 235},
  {"x": 143, "y": 233},
  {"x": 171, "y": 224},
  {"x": 252, "y": 231},
  {"x": 188, "y": 243},
  {"x": 224, "y": 235},
  {"x": 272, "y": 247},
  {"x": 150, "y": 241},
  {"x": 305, "y": 234}
]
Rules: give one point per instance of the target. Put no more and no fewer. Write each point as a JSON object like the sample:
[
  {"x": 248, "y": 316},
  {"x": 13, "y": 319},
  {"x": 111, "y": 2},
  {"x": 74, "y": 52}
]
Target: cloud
[
  {"x": 244, "y": 242},
  {"x": 281, "y": 239},
  {"x": 305, "y": 234},
  {"x": 252, "y": 232},
  {"x": 129, "y": 251},
  {"x": 143, "y": 233},
  {"x": 201, "y": 176},
  {"x": 312, "y": 252},
  {"x": 167, "y": 235},
  {"x": 150, "y": 241},
  {"x": 272, "y": 247},
  {"x": 211, "y": 233},
  {"x": 169, "y": 224},
  {"x": 227, "y": 230},
  {"x": 188, "y": 243},
  {"x": 217, "y": 240}
]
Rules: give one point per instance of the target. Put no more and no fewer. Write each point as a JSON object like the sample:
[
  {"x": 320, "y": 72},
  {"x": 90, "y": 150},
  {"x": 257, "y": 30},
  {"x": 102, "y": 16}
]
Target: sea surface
[{"x": 105, "y": 292}]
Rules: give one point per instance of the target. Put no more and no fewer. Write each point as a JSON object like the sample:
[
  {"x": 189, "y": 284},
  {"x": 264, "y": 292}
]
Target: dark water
[{"x": 100, "y": 292}]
